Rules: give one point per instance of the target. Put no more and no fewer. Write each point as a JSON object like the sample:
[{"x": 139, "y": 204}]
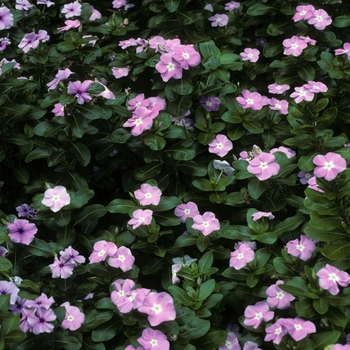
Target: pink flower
[
  {"x": 41, "y": 301},
  {"x": 48, "y": 3},
  {"x": 153, "y": 339},
  {"x": 250, "y": 345},
  {"x": 187, "y": 56},
  {"x": 29, "y": 41},
  {"x": 58, "y": 111},
  {"x": 251, "y": 55},
  {"x": 303, "y": 248},
  {"x": 138, "y": 101},
  {"x": 281, "y": 106},
  {"x": 241, "y": 256},
  {"x": 218, "y": 20},
  {"x": 330, "y": 277},
  {"x": 305, "y": 176},
  {"x": 303, "y": 12},
  {"x": 293, "y": 46},
  {"x": 71, "y": 255},
  {"x": 329, "y": 166},
  {"x": 340, "y": 347},
  {"x": 277, "y": 298},
  {"x": 206, "y": 223},
  {"x": 159, "y": 307},
  {"x": 21, "y": 231},
  {"x": 23, "y": 5},
  {"x": 302, "y": 94},
  {"x": 276, "y": 331},
  {"x": 264, "y": 166},
  {"x": 56, "y": 198},
  {"x": 260, "y": 214},
  {"x": 231, "y": 343},
  {"x": 72, "y": 9},
  {"x": 3, "y": 43},
  {"x": 102, "y": 250},
  {"x": 308, "y": 40},
  {"x": 320, "y": 19},
  {"x": 168, "y": 67},
  {"x": 61, "y": 75},
  {"x": 148, "y": 194},
  {"x": 140, "y": 121},
  {"x": 119, "y": 296},
  {"x": 345, "y": 50},
  {"x": 210, "y": 103},
  {"x": 255, "y": 314},
  {"x": 278, "y": 89},
  {"x": 122, "y": 259},
  {"x": 230, "y": 6},
  {"x": 6, "y": 18},
  {"x": 287, "y": 151},
  {"x": 74, "y": 317},
  {"x": 39, "y": 320},
  {"x": 221, "y": 145},
  {"x": 209, "y": 7},
  {"x": 313, "y": 184},
  {"x": 117, "y": 4},
  {"x": 251, "y": 100},
  {"x": 315, "y": 87},
  {"x": 9, "y": 288},
  {"x": 140, "y": 217},
  {"x": 69, "y": 25},
  {"x": 61, "y": 268},
  {"x": 79, "y": 90},
  {"x": 299, "y": 328},
  {"x": 120, "y": 72},
  {"x": 184, "y": 211},
  {"x": 94, "y": 14}
]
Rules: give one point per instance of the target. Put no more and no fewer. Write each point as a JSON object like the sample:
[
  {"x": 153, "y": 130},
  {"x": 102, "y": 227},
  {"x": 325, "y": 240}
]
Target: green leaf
[
  {"x": 106, "y": 331},
  {"x": 94, "y": 318},
  {"x": 256, "y": 188},
  {"x": 40, "y": 248},
  {"x": 337, "y": 251},
  {"x": 289, "y": 224},
  {"x": 202, "y": 243},
  {"x": 183, "y": 87},
  {"x": 336, "y": 317},
  {"x": 208, "y": 49},
  {"x": 185, "y": 241},
  {"x": 342, "y": 21},
  {"x": 205, "y": 261},
  {"x": 272, "y": 48},
  {"x": 194, "y": 328},
  {"x": 5, "y": 264},
  {"x": 10, "y": 324},
  {"x": 38, "y": 153},
  {"x": 91, "y": 212},
  {"x": 154, "y": 142},
  {"x": 321, "y": 305},
  {"x": 259, "y": 10},
  {"x": 5, "y": 302},
  {"x": 306, "y": 73},
  {"x": 322, "y": 339},
  {"x": 66, "y": 341},
  {"x": 81, "y": 153},
  {"x": 211, "y": 341},
  {"x": 120, "y": 206}
]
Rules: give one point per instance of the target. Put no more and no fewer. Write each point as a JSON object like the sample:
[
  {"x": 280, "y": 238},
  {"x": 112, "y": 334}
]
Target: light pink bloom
[
  {"x": 345, "y": 50},
  {"x": 276, "y": 331},
  {"x": 107, "y": 94},
  {"x": 79, "y": 90},
  {"x": 24, "y": 326},
  {"x": 187, "y": 56},
  {"x": 39, "y": 321},
  {"x": 218, "y": 20},
  {"x": 159, "y": 307},
  {"x": 23, "y": 5},
  {"x": 231, "y": 343},
  {"x": 320, "y": 19},
  {"x": 260, "y": 214},
  {"x": 230, "y": 6},
  {"x": 117, "y": 4},
  {"x": 264, "y": 166},
  {"x": 188, "y": 210},
  {"x": 140, "y": 121},
  {"x": 119, "y": 296},
  {"x": 299, "y": 328},
  {"x": 29, "y": 41},
  {"x": 102, "y": 250},
  {"x": 330, "y": 277},
  {"x": 255, "y": 314},
  {"x": 72, "y": 9},
  {"x": 277, "y": 298},
  {"x": 41, "y": 301},
  {"x": 56, "y": 198},
  {"x": 308, "y": 40},
  {"x": 329, "y": 165},
  {"x": 148, "y": 194},
  {"x": 251, "y": 245},
  {"x": 313, "y": 184},
  {"x": 315, "y": 87},
  {"x": 241, "y": 256},
  {"x": 305, "y": 176},
  {"x": 221, "y": 145},
  {"x": 303, "y": 248},
  {"x": 153, "y": 339},
  {"x": 206, "y": 223},
  {"x": 120, "y": 72},
  {"x": 281, "y": 106},
  {"x": 71, "y": 255},
  {"x": 210, "y": 103},
  {"x": 250, "y": 345},
  {"x": 140, "y": 217},
  {"x": 293, "y": 46},
  {"x": 340, "y": 347},
  {"x": 61, "y": 75},
  {"x": 122, "y": 259},
  {"x": 69, "y": 24},
  {"x": 58, "y": 111},
  {"x": 168, "y": 67},
  {"x": 251, "y": 55},
  {"x": 303, "y": 12},
  {"x": 209, "y": 7},
  {"x": 61, "y": 268},
  {"x": 6, "y": 18},
  {"x": 74, "y": 317},
  {"x": 278, "y": 89},
  {"x": 95, "y": 14},
  {"x": 138, "y": 101},
  {"x": 287, "y": 151},
  {"x": 302, "y": 94},
  {"x": 251, "y": 100}
]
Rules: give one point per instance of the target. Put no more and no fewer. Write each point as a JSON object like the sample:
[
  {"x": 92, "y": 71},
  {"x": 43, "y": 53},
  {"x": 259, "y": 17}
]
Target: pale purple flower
[
  {"x": 294, "y": 46},
  {"x": 241, "y": 256},
  {"x": 261, "y": 214},
  {"x": 138, "y": 101},
  {"x": 251, "y": 245},
  {"x": 281, "y": 106},
  {"x": 153, "y": 339},
  {"x": 210, "y": 103},
  {"x": 122, "y": 259},
  {"x": 287, "y": 151},
  {"x": 23, "y": 5},
  {"x": 305, "y": 176},
  {"x": 187, "y": 56},
  {"x": 107, "y": 94},
  {"x": 79, "y": 89},
  {"x": 188, "y": 210},
  {"x": 344, "y": 50},
  {"x": 329, "y": 165},
  {"x": 206, "y": 223},
  {"x": 302, "y": 249},
  {"x": 220, "y": 146},
  {"x": 72, "y": 256},
  {"x": 9, "y": 288},
  {"x": 140, "y": 217},
  {"x": 4, "y": 42},
  {"x": 119, "y": 297},
  {"x": 95, "y": 14},
  {"x": 3, "y": 251},
  {"x": 330, "y": 277},
  {"x": 21, "y": 231},
  {"x": 315, "y": 87},
  {"x": 299, "y": 328},
  {"x": 120, "y": 72},
  {"x": 117, "y": 4},
  {"x": 230, "y": 6},
  {"x": 6, "y": 18},
  {"x": 218, "y": 20},
  {"x": 312, "y": 183},
  {"x": 40, "y": 302},
  {"x": 18, "y": 306},
  {"x": 140, "y": 121},
  {"x": 72, "y": 9},
  {"x": 58, "y": 111},
  {"x": 56, "y": 198},
  {"x": 276, "y": 331},
  {"x": 263, "y": 166},
  {"x": 29, "y": 41},
  {"x": 61, "y": 268},
  {"x": 209, "y": 7},
  {"x": 39, "y": 321},
  {"x": 308, "y": 40},
  {"x": 277, "y": 298},
  {"x": 148, "y": 194},
  {"x": 102, "y": 250},
  {"x": 69, "y": 24},
  {"x": 255, "y": 314},
  {"x": 251, "y": 55},
  {"x": 223, "y": 166},
  {"x": 302, "y": 94},
  {"x": 320, "y": 19},
  {"x": 251, "y": 100},
  {"x": 277, "y": 88},
  {"x": 124, "y": 44},
  {"x": 48, "y": 3},
  {"x": 250, "y": 345},
  {"x": 61, "y": 75},
  {"x": 128, "y": 6},
  {"x": 303, "y": 12},
  {"x": 25, "y": 211},
  {"x": 73, "y": 319},
  {"x": 168, "y": 67},
  {"x": 340, "y": 347},
  {"x": 231, "y": 343}
]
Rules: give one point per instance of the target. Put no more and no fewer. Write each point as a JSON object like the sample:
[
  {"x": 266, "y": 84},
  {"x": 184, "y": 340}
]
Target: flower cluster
[
  {"x": 296, "y": 44},
  {"x": 308, "y": 91},
  {"x": 32, "y": 40},
  {"x": 318, "y": 18}
]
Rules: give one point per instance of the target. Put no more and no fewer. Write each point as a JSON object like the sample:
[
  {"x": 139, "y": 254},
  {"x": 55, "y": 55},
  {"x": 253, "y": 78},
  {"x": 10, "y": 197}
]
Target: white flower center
[
  {"x": 280, "y": 295},
  {"x": 258, "y": 316},
  {"x": 205, "y": 223},
  {"x": 148, "y": 195},
  {"x": 121, "y": 257},
  {"x": 70, "y": 318},
  {"x": 278, "y": 330},
  {"x": 329, "y": 165},
  {"x": 333, "y": 277},
  {"x": 319, "y": 18},
  {"x": 185, "y": 55},
  {"x": 56, "y": 198},
  {"x": 101, "y": 253},
  {"x": 154, "y": 342},
  {"x": 157, "y": 308},
  {"x": 219, "y": 145},
  {"x": 250, "y": 55},
  {"x": 250, "y": 101},
  {"x": 141, "y": 219},
  {"x": 121, "y": 293},
  {"x": 300, "y": 247},
  {"x": 278, "y": 106},
  {"x": 171, "y": 66},
  {"x": 138, "y": 121},
  {"x": 187, "y": 211},
  {"x": 298, "y": 327},
  {"x": 294, "y": 46},
  {"x": 240, "y": 256},
  {"x": 263, "y": 165},
  {"x": 208, "y": 103}
]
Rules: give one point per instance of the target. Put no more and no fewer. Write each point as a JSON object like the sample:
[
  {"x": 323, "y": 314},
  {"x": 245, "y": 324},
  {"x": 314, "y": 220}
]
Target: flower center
[
  {"x": 121, "y": 257},
  {"x": 333, "y": 277},
  {"x": 185, "y": 55},
  {"x": 157, "y": 308},
  {"x": 250, "y": 101},
  {"x": 187, "y": 211},
  {"x": 294, "y": 46},
  {"x": 70, "y": 318},
  {"x": 258, "y": 316},
  {"x": 101, "y": 253},
  {"x": 280, "y": 295},
  {"x": 138, "y": 121},
  {"x": 154, "y": 342},
  {"x": 300, "y": 247},
  {"x": 240, "y": 256},
  {"x": 263, "y": 165},
  {"x": 171, "y": 66},
  {"x": 329, "y": 165},
  {"x": 298, "y": 327}
]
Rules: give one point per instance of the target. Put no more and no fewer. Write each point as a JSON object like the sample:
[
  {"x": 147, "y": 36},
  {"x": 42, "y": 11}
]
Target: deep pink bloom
[
  {"x": 218, "y": 20},
  {"x": 299, "y": 328},
  {"x": 303, "y": 12},
  {"x": 230, "y": 6},
  {"x": 117, "y": 4},
  {"x": 329, "y": 165},
  {"x": 3, "y": 43},
  {"x": 79, "y": 89},
  {"x": 9, "y": 288},
  {"x": 120, "y": 72},
  {"x": 303, "y": 248},
  {"x": 277, "y": 88},
  {"x": 140, "y": 121},
  {"x": 277, "y": 298},
  {"x": 40, "y": 302},
  {"x": 122, "y": 259},
  {"x": 159, "y": 307},
  {"x": 320, "y": 19},
  {"x": 188, "y": 210},
  {"x": 61, "y": 75},
  {"x": 301, "y": 94},
  {"x": 6, "y": 18},
  {"x": 168, "y": 67},
  {"x": 315, "y": 86},
  {"x": 140, "y": 217},
  {"x": 74, "y": 317},
  {"x": 251, "y": 100},
  {"x": 293, "y": 46},
  {"x": 69, "y": 24},
  {"x": 102, "y": 250},
  {"x": 251, "y": 55},
  {"x": 61, "y": 268},
  {"x": 330, "y": 277},
  {"x": 241, "y": 256},
  {"x": 21, "y": 231},
  {"x": 211, "y": 104},
  {"x": 255, "y": 314},
  {"x": 71, "y": 255},
  {"x": 276, "y": 331},
  {"x": 187, "y": 56},
  {"x": 72, "y": 9},
  {"x": 39, "y": 321},
  {"x": 148, "y": 194},
  {"x": 56, "y": 198},
  {"x": 220, "y": 146},
  {"x": 260, "y": 214},
  {"x": 206, "y": 223},
  {"x": 58, "y": 111},
  {"x": 344, "y": 50},
  {"x": 281, "y": 106},
  {"x": 287, "y": 151},
  {"x": 153, "y": 339},
  {"x": 305, "y": 176},
  {"x": 264, "y": 166}
]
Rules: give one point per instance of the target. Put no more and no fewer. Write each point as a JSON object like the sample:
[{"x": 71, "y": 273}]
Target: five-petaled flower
[
  {"x": 221, "y": 145},
  {"x": 277, "y": 298},
  {"x": 330, "y": 277},
  {"x": 243, "y": 255},
  {"x": 263, "y": 166},
  {"x": 251, "y": 55},
  {"x": 148, "y": 194},
  {"x": 22, "y": 231},
  {"x": 206, "y": 223},
  {"x": 329, "y": 165},
  {"x": 218, "y": 20},
  {"x": 302, "y": 248},
  {"x": 56, "y": 198},
  {"x": 255, "y": 314},
  {"x": 140, "y": 217}
]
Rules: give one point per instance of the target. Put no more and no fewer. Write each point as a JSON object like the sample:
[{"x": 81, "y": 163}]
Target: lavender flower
[
  {"x": 22, "y": 231},
  {"x": 25, "y": 211},
  {"x": 6, "y": 18},
  {"x": 79, "y": 89}
]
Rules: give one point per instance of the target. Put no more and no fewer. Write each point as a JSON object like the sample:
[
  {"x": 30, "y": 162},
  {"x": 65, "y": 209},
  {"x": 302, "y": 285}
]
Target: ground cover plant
[{"x": 174, "y": 175}]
